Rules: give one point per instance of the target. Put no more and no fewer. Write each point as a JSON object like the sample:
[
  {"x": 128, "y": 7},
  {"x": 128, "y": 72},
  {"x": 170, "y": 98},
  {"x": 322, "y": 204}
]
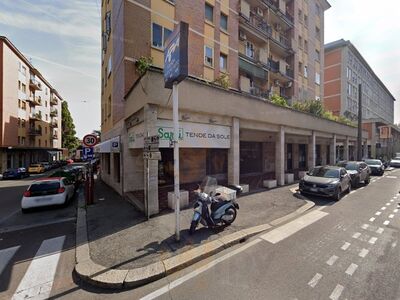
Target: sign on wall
[
  {"x": 176, "y": 55},
  {"x": 191, "y": 135},
  {"x": 385, "y": 132}
]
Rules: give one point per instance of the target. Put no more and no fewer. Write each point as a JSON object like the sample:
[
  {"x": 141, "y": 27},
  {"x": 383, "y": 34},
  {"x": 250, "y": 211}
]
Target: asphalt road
[{"x": 339, "y": 250}]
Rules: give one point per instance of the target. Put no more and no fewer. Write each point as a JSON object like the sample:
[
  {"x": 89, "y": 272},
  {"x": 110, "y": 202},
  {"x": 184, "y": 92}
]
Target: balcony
[
  {"x": 33, "y": 100},
  {"x": 248, "y": 66},
  {"x": 34, "y": 132},
  {"x": 282, "y": 42},
  {"x": 34, "y": 84},
  {"x": 53, "y": 101},
  {"x": 54, "y": 136},
  {"x": 54, "y": 124},
  {"x": 280, "y": 11},
  {"x": 259, "y": 92},
  {"x": 53, "y": 113},
  {"x": 273, "y": 65},
  {"x": 35, "y": 116}
]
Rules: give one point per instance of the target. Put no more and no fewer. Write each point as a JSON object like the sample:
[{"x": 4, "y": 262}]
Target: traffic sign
[
  {"x": 152, "y": 155},
  {"x": 87, "y": 153},
  {"x": 90, "y": 140},
  {"x": 154, "y": 139}
]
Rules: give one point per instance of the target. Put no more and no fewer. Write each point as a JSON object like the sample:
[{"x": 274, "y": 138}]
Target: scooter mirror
[{"x": 217, "y": 194}]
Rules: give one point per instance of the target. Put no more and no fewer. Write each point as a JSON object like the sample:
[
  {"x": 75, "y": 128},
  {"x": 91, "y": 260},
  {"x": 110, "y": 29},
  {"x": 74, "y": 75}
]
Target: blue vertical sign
[
  {"x": 87, "y": 153},
  {"x": 176, "y": 55}
]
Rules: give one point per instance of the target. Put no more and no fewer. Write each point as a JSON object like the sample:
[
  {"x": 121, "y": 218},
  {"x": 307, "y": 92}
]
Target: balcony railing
[
  {"x": 53, "y": 113},
  {"x": 34, "y": 84},
  {"x": 53, "y": 101},
  {"x": 259, "y": 92},
  {"x": 54, "y": 124},
  {"x": 259, "y": 23},
  {"x": 54, "y": 136},
  {"x": 274, "y": 4},
  {"x": 33, "y": 100},
  {"x": 36, "y": 116},
  {"x": 273, "y": 65},
  {"x": 290, "y": 73},
  {"x": 34, "y": 131}
]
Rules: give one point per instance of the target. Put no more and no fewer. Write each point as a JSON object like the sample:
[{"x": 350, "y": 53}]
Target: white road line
[
  {"x": 351, "y": 269},
  {"x": 380, "y": 230},
  {"x": 372, "y": 240},
  {"x": 391, "y": 216},
  {"x": 314, "y": 281},
  {"x": 365, "y": 226},
  {"x": 179, "y": 281},
  {"x": 352, "y": 192},
  {"x": 332, "y": 260},
  {"x": 383, "y": 208},
  {"x": 378, "y": 213},
  {"x": 392, "y": 200},
  {"x": 396, "y": 210},
  {"x": 5, "y": 257},
  {"x": 45, "y": 223},
  {"x": 281, "y": 233},
  {"x": 336, "y": 292},
  {"x": 394, "y": 244},
  {"x": 387, "y": 204},
  {"x": 363, "y": 253},
  {"x": 372, "y": 219},
  {"x": 361, "y": 188},
  {"x": 386, "y": 222},
  {"x": 356, "y": 235},
  {"x": 345, "y": 246},
  {"x": 38, "y": 279}
]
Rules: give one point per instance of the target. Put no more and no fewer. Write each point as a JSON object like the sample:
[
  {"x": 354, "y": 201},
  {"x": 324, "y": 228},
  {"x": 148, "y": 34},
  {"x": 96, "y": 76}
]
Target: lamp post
[{"x": 359, "y": 134}]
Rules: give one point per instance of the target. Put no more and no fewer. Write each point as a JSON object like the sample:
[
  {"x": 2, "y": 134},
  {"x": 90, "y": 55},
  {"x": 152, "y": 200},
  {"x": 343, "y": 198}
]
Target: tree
[{"x": 69, "y": 140}]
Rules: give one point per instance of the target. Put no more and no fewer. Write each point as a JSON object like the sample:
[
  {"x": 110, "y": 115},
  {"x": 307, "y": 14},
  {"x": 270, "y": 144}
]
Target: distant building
[
  {"x": 30, "y": 112},
  {"x": 345, "y": 68}
]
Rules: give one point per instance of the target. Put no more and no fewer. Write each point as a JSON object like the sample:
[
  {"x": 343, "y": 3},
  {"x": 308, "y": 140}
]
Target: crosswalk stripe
[
  {"x": 5, "y": 257},
  {"x": 38, "y": 279}
]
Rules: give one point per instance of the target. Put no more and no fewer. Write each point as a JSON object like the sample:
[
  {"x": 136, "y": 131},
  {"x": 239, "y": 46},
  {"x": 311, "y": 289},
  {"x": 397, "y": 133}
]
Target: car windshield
[
  {"x": 325, "y": 172},
  {"x": 45, "y": 186},
  {"x": 373, "y": 162},
  {"x": 351, "y": 166}
]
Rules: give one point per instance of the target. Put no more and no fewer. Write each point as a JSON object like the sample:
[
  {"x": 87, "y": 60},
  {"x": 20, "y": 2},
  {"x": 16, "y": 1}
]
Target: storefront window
[
  {"x": 318, "y": 155},
  {"x": 217, "y": 161},
  {"x": 302, "y": 156},
  {"x": 250, "y": 157}
]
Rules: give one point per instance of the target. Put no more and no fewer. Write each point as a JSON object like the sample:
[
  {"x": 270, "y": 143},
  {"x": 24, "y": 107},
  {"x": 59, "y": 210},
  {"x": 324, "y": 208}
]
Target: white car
[
  {"x": 395, "y": 162},
  {"x": 48, "y": 191}
]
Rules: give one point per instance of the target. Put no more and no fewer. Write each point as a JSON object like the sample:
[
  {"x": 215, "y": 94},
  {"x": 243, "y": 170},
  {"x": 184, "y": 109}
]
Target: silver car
[{"x": 327, "y": 181}]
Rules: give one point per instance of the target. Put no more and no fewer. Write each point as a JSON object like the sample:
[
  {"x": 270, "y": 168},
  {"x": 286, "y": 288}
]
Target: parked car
[
  {"x": 327, "y": 181},
  {"x": 395, "y": 162},
  {"x": 46, "y": 165},
  {"x": 15, "y": 173},
  {"x": 36, "y": 168},
  {"x": 47, "y": 191},
  {"x": 358, "y": 171},
  {"x": 376, "y": 165}
]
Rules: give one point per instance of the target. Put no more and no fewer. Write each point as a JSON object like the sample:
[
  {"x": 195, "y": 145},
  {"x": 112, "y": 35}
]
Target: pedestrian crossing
[{"x": 37, "y": 281}]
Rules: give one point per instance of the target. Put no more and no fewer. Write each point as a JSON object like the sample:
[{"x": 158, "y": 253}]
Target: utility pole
[
  {"x": 359, "y": 136},
  {"x": 176, "y": 159}
]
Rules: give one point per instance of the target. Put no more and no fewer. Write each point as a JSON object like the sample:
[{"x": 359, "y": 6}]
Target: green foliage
[
  {"x": 143, "y": 64},
  {"x": 69, "y": 140},
  {"x": 278, "y": 100},
  {"x": 223, "y": 80}
]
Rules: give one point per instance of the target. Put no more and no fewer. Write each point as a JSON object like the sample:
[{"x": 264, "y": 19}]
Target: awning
[
  {"x": 251, "y": 69},
  {"x": 108, "y": 146}
]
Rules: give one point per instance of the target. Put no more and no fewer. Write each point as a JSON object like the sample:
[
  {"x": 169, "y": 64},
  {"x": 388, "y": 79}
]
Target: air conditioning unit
[
  {"x": 259, "y": 12},
  {"x": 242, "y": 35}
]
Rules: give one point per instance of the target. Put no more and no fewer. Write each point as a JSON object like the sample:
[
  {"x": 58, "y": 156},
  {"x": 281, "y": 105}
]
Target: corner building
[{"x": 235, "y": 134}]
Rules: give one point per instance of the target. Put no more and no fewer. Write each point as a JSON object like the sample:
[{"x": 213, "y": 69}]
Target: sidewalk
[{"x": 121, "y": 239}]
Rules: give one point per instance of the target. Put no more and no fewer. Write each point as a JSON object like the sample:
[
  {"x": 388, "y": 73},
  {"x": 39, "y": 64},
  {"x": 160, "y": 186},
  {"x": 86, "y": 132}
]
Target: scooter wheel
[
  {"x": 193, "y": 226},
  {"x": 233, "y": 211}
]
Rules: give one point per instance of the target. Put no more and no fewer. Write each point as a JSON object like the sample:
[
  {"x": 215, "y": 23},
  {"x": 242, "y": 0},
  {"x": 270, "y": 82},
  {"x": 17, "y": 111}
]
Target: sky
[{"x": 63, "y": 40}]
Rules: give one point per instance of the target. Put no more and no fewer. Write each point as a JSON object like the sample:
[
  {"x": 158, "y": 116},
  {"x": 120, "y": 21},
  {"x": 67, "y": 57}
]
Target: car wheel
[
  {"x": 366, "y": 181},
  {"x": 338, "y": 194},
  {"x": 24, "y": 210}
]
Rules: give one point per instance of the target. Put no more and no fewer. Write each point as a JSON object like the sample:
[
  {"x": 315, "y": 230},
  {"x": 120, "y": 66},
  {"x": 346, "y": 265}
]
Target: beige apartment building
[
  {"x": 345, "y": 69},
  {"x": 236, "y": 134},
  {"x": 30, "y": 112}
]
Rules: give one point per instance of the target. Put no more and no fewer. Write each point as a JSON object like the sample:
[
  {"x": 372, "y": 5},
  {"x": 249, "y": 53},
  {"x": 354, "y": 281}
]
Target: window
[
  {"x": 300, "y": 15},
  {"x": 108, "y": 23},
  {"x": 45, "y": 103},
  {"x": 224, "y": 22},
  {"x": 305, "y": 71},
  {"x": 317, "y": 78},
  {"x": 317, "y": 33},
  {"x": 19, "y": 85},
  {"x": 23, "y": 88},
  {"x": 209, "y": 13},
  {"x": 19, "y": 140},
  {"x": 46, "y": 91},
  {"x": 19, "y": 66},
  {"x": 317, "y": 55},
  {"x": 160, "y": 35},
  {"x": 23, "y": 140},
  {"x": 109, "y": 66},
  {"x": 305, "y": 20},
  {"x": 117, "y": 162},
  {"x": 249, "y": 50},
  {"x": 305, "y": 45},
  {"x": 349, "y": 89},
  {"x": 19, "y": 122},
  {"x": 47, "y": 117},
  {"x": 300, "y": 67},
  {"x": 209, "y": 56},
  {"x": 349, "y": 73},
  {"x": 300, "y": 42},
  {"x": 223, "y": 62},
  {"x": 24, "y": 70},
  {"x": 23, "y": 105},
  {"x": 45, "y": 143},
  {"x": 19, "y": 103}
]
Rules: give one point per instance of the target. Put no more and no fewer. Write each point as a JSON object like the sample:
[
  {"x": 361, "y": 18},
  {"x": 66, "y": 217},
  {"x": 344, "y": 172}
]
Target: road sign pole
[{"x": 176, "y": 159}]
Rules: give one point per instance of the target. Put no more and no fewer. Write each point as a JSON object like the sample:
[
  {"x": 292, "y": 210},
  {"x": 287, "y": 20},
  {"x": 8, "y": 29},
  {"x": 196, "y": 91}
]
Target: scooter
[{"x": 211, "y": 211}]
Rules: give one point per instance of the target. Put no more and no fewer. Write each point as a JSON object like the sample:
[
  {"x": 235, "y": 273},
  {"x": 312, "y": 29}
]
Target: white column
[
  {"x": 234, "y": 153},
  {"x": 346, "y": 148},
  {"x": 280, "y": 156},
  {"x": 333, "y": 150}
]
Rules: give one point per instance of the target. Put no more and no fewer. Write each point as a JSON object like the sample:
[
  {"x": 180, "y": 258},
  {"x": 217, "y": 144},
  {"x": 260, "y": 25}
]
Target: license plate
[
  {"x": 42, "y": 199},
  {"x": 313, "y": 189}
]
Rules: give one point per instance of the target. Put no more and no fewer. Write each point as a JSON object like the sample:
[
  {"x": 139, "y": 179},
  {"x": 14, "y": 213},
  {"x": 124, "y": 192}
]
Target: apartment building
[
  {"x": 234, "y": 134},
  {"x": 345, "y": 69},
  {"x": 30, "y": 112}
]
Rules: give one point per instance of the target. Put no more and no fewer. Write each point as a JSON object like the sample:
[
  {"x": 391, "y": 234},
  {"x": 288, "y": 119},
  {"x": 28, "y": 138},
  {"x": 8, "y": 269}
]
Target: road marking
[
  {"x": 362, "y": 188},
  {"x": 281, "y": 233},
  {"x": 387, "y": 204},
  {"x": 179, "y": 281},
  {"x": 352, "y": 192},
  {"x": 372, "y": 219},
  {"x": 10, "y": 215},
  {"x": 380, "y": 230},
  {"x": 393, "y": 177},
  {"x": 345, "y": 246},
  {"x": 394, "y": 244},
  {"x": 396, "y": 210},
  {"x": 351, "y": 269},
  {"x": 378, "y": 213},
  {"x": 38, "y": 279},
  {"x": 391, "y": 216},
  {"x": 336, "y": 292},
  {"x": 365, "y": 226},
  {"x": 23, "y": 227},
  {"x": 392, "y": 200},
  {"x": 363, "y": 253},
  {"x": 314, "y": 281},
  {"x": 372, "y": 240},
  {"x": 386, "y": 222},
  {"x": 5, "y": 257},
  {"x": 332, "y": 260},
  {"x": 383, "y": 208},
  {"x": 356, "y": 235}
]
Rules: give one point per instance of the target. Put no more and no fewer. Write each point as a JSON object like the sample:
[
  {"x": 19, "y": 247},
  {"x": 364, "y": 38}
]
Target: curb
[{"x": 104, "y": 277}]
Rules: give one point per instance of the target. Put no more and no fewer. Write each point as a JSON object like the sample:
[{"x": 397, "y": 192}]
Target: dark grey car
[
  {"x": 327, "y": 181},
  {"x": 358, "y": 171},
  {"x": 376, "y": 166}
]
